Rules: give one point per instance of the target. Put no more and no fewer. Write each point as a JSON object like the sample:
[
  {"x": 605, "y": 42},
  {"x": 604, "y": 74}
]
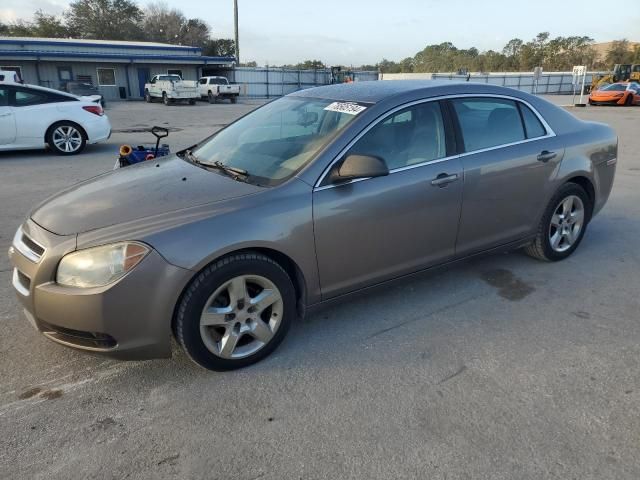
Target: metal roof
[
  {"x": 95, "y": 43},
  {"x": 114, "y": 57}
]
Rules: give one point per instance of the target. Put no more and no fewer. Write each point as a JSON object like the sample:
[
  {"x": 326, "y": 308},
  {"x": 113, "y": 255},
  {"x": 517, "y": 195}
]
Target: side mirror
[{"x": 359, "y": 166}]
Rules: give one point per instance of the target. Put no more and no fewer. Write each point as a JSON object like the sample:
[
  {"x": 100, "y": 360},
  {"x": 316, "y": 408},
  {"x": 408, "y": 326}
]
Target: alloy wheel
[
  {"x": 67, "y": 139},
  {"x": 241, "y": 316},
  {"x": 566, "y": 223}
]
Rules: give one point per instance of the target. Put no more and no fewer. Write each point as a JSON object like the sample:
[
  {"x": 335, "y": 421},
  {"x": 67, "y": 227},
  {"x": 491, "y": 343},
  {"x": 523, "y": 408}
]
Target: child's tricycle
[{"x": 129, "y": 155}]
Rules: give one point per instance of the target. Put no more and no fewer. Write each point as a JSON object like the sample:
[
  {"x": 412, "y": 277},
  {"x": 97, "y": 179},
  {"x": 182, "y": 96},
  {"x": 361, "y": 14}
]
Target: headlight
[{"x": 99, "y": 266}]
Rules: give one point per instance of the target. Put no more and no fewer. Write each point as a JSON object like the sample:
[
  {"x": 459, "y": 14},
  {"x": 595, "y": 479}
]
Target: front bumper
[
  {"x": 128, "y": 320},
  {"x": 610, "y": 101}
]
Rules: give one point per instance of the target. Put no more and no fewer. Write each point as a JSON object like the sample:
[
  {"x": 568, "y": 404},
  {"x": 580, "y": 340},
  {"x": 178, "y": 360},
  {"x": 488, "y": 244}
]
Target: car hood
[{"x": 135, "y": 192}]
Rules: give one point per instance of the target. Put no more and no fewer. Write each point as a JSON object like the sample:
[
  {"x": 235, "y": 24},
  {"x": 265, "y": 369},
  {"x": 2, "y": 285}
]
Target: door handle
[
  {"x": 443, "y": 180},
  {"x": 546, "y": 155},
  {"x": 5, "y": 114}
]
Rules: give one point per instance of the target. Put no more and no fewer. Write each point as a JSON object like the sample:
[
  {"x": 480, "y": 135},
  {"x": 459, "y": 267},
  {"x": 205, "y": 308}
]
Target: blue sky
[{"x": 358, "y": 31}]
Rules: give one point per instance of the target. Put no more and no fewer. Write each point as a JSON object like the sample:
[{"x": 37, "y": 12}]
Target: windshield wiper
[{"x": 236, "y": 173}]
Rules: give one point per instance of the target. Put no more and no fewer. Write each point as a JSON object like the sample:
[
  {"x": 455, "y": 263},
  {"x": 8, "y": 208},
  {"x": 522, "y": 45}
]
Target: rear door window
[
  {"x": 532, "y": 124},
  {"x": 488, "y": 122},
  {"x": 25, "y": 98}
]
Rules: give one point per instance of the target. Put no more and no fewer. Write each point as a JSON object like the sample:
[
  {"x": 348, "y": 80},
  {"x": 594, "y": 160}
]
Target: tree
[
  {"x": 194, "y": 32},
  {"x": 223, "y": 47},
  {"x": 162, "y": 24},
  {"x": 105, "y": 19},
  {"x": 389, "y": 66},
  {"x": 49, "y": 26},
  {"x": 620, "y": 52},
  {"x": 309, "y": 65}
]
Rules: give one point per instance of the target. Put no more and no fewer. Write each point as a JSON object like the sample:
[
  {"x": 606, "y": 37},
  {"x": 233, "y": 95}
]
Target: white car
[
  {"x": 171, "y": 88},
  {"x": 214, "y": 88},
  {"x": 33, "y": 117}
]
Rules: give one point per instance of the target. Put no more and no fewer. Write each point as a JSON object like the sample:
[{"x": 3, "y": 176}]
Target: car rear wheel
[
  {"x": 211, "y": 98},
  {"x": 629, "y": 100},
  {"x": 165, "y": 99},
  {"x": 66, "y": 138},
  {"x": 192, "y": 101},
  {"x": 563, "y": 224},
  {"x": 234, "y": 99},
  {"x": 147, "y": 97},
  {"x": 235, "y": 312}
]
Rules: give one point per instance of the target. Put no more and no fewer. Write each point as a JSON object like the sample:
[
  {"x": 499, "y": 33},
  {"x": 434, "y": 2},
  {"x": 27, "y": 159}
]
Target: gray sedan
[{"x": 312, "y": 197}]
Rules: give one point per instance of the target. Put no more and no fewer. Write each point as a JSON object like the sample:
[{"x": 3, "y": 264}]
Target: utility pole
[{"x": 235, "y": 22}]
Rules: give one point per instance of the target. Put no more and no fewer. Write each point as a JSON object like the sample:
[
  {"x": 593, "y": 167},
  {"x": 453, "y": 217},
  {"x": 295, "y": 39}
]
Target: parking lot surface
[{"x": 501, "y": 367}]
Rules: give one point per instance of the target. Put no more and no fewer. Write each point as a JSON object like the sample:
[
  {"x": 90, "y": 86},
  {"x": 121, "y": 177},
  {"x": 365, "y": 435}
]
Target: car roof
[
  {"x": 376, "y": 91},
  {"x": 46, "y": 89}
]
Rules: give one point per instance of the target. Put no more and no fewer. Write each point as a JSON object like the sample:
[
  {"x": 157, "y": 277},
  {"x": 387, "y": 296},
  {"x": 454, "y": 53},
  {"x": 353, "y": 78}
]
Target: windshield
[
  {"x": 615, "y": 87},
  {"x": 274, "y": 142}
]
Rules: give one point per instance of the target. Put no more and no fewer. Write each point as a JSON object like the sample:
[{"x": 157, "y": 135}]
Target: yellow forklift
[{"x": 620, "y": 73}]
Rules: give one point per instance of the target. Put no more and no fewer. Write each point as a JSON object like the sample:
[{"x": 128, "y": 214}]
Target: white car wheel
[{"x": 66, "y": 138}]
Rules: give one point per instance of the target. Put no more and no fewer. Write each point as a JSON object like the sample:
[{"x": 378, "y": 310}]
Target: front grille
[
  {"x": 23, "y": 279},
  {"x": 33, "y": 246},
  {"x": 79, "y": 338},
  {"x": 28, "y": 246}
]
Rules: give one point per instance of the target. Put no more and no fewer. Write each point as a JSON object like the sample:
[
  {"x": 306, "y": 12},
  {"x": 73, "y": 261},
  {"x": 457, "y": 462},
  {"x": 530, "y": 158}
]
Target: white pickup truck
[
  {"x": 213, "y": 88},
  {"x": 171, "y": 88}
]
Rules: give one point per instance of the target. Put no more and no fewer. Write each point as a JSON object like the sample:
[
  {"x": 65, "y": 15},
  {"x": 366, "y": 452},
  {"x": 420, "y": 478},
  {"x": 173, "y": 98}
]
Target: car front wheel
[
  {"x": 66, "y": 138},
  {"x": 563, "y": 224},
  {"x": 235, "y": 312}
]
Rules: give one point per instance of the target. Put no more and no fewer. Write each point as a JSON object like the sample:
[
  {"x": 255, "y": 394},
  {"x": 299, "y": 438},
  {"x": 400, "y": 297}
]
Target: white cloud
[
  {"x": 8, "y": 15},
  {"x": 23, "y": 9}
]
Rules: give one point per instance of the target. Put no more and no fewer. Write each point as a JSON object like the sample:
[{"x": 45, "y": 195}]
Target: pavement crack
[
  {"x": 421, "y": 317},
  {"x": 453, "y": 375}
]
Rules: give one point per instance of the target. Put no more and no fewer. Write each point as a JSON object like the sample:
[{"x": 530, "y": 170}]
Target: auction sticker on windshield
[{"x": 345, "y": 107}]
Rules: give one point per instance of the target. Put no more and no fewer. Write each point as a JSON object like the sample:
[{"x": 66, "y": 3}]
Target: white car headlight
[{"x": 99, "y": 266}]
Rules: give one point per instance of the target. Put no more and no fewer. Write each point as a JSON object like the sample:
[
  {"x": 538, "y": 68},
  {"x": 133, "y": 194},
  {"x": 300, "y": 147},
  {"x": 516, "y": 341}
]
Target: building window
[
  {"x": 175, "y": 72},
  {"x": 65, "y": 75},
  {"x": 16, "y": 69},
  {"x": 106, "y": 77}
]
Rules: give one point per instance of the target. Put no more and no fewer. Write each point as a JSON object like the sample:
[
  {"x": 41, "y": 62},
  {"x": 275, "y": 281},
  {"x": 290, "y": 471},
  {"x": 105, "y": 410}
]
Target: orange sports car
[{"x": 616, "y": 94}]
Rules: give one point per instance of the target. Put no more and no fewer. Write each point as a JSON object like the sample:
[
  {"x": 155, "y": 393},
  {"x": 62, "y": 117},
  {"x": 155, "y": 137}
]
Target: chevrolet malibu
[{"x": 309, "y": 198}]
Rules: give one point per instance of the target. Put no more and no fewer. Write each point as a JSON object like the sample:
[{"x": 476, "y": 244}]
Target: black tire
[
  {"x": 51, "y": 132},
  {"x": 187, "y": 321},
  {"x": 234, "y": 99},
  {"x": 147, "y": 97},
  {"x": 192, "y": 101},
  {"x": 165, "y": 99},
  {"x": 211, "y": 98},
  {"x": 541, "y": 247},
  {"x": 629, "y": 101}
]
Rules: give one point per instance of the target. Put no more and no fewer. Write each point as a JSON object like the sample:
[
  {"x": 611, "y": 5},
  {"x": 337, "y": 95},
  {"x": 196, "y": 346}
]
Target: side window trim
[
  {"x": 460, "y": 146},
  {"x": 521, "y": 105}
]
